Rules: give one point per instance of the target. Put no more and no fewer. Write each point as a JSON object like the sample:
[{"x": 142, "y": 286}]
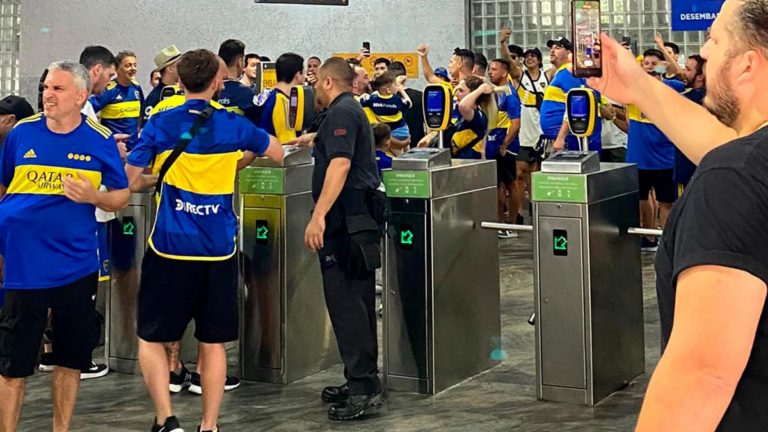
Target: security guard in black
[{"x": 346, "y": 231}]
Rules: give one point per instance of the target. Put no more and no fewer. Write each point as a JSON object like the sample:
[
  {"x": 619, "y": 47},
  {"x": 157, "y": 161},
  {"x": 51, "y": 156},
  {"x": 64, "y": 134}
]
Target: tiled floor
[{"x": 501, "y": 399}]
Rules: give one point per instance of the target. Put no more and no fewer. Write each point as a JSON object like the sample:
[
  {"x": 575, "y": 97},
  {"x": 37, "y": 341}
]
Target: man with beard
[
  {"x": 712, "y": 264},
  {"x": 695, "y": 91}
]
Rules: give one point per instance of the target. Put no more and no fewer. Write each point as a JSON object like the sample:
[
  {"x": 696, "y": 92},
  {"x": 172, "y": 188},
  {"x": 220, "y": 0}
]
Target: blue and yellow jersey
[
  {"x": 383, "y": 160},
  {"x": 274, "y": 115},
  {"x": 119, "y": 109},
  {"x": 509, "y": 109},
  {"x": 47, "y": 239},
  {"x": 195, "y": 216},
  {"x": 175, "y": 101},
  {"x": 240, "y": 99},
  {"x": 388, "y": 109},
  {"x": 553, "y": 109},
  {"x": 368, "y": 112},
  {"x": 469, "y": 134},
  {"x": 647, "y": 146}
]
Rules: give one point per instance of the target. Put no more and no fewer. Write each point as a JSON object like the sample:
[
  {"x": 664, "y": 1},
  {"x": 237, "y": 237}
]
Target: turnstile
[
  {"x": 285, "y": 333},
  {"x": 587, "y": 278},
  {"x": 128, "y": 245},
  {"x": 442, "y": 303}
]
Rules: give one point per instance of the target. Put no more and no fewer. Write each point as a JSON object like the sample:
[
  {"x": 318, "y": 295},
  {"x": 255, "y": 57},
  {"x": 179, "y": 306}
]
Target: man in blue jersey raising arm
[
  {"x": 191, "y": 261},
  {"x": 51, "y": 167}
]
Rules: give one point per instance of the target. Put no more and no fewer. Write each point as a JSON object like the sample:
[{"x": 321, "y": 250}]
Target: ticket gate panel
[
  {"x": 407, "y": 330},
  {"x": 310, "y": 344},
  {"x": 127, "y": 253},
  {"x": 466, "y": 287},
  {"x": 261, "y": 327},
  {"x": 561, "y": 298}
]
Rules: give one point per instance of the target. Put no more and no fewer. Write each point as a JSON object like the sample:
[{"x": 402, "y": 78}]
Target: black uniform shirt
[
  {"x": 721, "y": 220},
  {"x": 345, "y": 132}
]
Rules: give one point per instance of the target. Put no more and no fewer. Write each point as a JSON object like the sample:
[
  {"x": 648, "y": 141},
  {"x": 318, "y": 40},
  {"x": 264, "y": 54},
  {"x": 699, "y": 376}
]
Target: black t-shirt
[
  {"x": 721, "y": 220},
  {"x": 414, "y": 116},
  {"x": 345, "y": 132}
]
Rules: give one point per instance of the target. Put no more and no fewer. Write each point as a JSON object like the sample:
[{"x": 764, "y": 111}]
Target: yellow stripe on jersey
[
  {"x": 464, "y": 138},
  {"x": 30, "y": 119},
  {"x": 554, "y": 94},
  {"x": 236, "y": 110},
  {"x": 121, "y": 110},
  {"x": 188, "y": 258},
  {"x": 527, "y": 98},
  {"x": 280, "y": 119},
  {"x": 174, "y": 102},
  {"x": 47, "y": 180},
  {"x": 634, "y": 114},
  {"x": 370, "y": 115},
  {"x": 102, "y": 130},
  {"x": 390, "y": 118},
  {"x": 206, "y": 174}
]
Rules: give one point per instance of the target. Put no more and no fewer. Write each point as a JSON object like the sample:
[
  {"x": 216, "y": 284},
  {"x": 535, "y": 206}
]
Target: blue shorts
[
  {"x": 494, "y": 142},
  {"x": 402, "y": 133}
]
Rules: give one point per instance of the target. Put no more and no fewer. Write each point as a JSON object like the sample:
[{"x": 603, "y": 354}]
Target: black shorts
[
  {"x": 25, "y": 316},
  {"x": 618, "y": 154},
  {"x": 661, "y": 182},
  {"x": 174, "y": 292},
  {"x": 529, "y": 155},
  {"x": 506, "y": 168}
]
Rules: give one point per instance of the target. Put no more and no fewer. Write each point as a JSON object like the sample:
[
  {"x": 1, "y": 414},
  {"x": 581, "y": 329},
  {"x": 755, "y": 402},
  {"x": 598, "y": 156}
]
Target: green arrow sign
[
  {"x": 561, "y": 243},
  {"x": 128, "y": 228},
  {"x": 406, "y": 237},
  {"x": 261, "y": 233}
]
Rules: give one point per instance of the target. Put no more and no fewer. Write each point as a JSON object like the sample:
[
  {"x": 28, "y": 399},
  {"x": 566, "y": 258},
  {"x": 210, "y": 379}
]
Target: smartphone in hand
[
  {"x": 585, "y": 25},
  {"x": 367, "y": 48}
]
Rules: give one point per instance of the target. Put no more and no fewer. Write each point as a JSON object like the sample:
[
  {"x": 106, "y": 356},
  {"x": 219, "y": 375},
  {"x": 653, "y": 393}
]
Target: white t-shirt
[
  {"x": 530, "y": 127},
  {"x": 101, "y": 215}
]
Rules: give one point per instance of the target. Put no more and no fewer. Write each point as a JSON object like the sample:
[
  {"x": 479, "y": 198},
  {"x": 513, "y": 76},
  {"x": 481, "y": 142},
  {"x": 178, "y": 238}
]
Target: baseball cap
[
  {"x": 561, "y": 41},
  {"x": 517, "y": 50},
  {"x": 168, "y": 56},
  {"x": 442, "y": 73},
  {"x": 17, "y": 106},
  {"x": 535, "y": 51}
]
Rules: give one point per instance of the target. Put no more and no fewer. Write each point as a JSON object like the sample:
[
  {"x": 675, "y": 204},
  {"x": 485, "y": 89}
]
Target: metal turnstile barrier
[
  {"x": 286, "y": 333},
  {"x": 587, "y": 278},
  {"x": 442, "y": 298}
]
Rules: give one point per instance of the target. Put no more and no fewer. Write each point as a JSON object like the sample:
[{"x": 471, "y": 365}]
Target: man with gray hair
[
  {"x": 712, "y": 263},
  {"x": 50, "y": 169}
]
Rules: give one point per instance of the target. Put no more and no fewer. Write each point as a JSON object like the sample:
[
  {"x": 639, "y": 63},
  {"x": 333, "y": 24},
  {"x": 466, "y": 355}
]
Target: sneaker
[
  {"x": 171, "y": 425},
  {"x": 46, "y": 362},
  {"x": 179, "y": 380},
  {"x": 196, "y": 387},
  {"x": 200, "y": 429},
  {"x": 95, "y": 371},
  {"x": 507, "y": 234},
  {"x": 649, "y": 246}
]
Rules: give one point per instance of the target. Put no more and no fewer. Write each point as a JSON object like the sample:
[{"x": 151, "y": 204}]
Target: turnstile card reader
[
  {"x": 587, "y": 282},
  {"x": 581, "y": 111},
  {"x": 441, "y": 303},
  {"x": 571, "y": 161},
  {"x": 301, "y": 108},
  {"x": 286, "y": 334},
  {"x": 437, "y": 106}
]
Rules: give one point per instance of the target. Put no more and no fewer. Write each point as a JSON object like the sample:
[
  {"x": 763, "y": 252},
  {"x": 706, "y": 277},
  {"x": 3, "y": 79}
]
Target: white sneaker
[{"x": 507, "y": 234}]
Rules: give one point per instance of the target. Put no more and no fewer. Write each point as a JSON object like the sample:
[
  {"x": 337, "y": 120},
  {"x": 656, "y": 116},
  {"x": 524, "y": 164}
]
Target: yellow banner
[
  {"x": 410, "y": 60},
  {"x": 266, "y": 76}
]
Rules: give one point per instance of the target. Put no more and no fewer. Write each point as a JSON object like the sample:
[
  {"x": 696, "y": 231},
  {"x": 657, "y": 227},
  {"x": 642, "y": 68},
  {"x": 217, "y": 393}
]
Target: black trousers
[{"x": 352, "y": 308}]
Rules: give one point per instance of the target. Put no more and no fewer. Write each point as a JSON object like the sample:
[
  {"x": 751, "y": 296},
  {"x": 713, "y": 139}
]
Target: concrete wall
[{"x": 57, "y": 29}]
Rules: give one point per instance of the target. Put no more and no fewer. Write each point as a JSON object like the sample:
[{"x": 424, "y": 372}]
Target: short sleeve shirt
[
  {"x": 720, "y": 220},
  {"x": 345, "y": 132},
  {"x": 195, "y": 217},
  {"x": 48, "y": 240}
]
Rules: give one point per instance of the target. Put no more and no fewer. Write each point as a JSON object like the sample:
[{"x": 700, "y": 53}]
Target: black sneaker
[
  {"x": 171, "y": 425},
  {"x": 196, "y": 387},
  {"x": 95, "y": 371},
  {"x": 179, "y": 380},
  {"x": 649, "y": 246},
  {"x": 46, "y": 362},
  {"x": 356, "y": 407}
]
